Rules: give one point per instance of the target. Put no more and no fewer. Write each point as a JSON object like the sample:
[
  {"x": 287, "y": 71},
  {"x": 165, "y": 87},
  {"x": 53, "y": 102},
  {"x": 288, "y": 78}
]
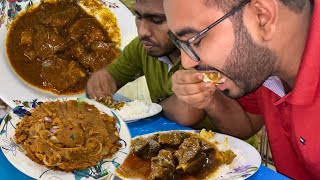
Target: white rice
[{"x": 136, "y": 109}]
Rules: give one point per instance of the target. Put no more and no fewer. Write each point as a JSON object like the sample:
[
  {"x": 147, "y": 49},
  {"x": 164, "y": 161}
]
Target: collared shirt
[
  {"x": 135, "y": 62},
  {"x": 293, "y": 120},
  {"x": 275, "y": 85}
]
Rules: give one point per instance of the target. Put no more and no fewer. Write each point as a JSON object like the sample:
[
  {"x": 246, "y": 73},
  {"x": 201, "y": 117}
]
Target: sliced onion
[
  {"x": 44, "y": 134},
  {"x": 105, "y": 152},
  {"x": 53, "y": 129},
  {"x": 33, "y": 132},
  {"x": 48, "y": 164},
  {"x": 94, "y": 142},
  {"x": 47, "y": 119},
  {"x": 72, "y": 149},
  {"x": 92, "y": 133},
  {"x": 38, "y": 127},
  {"x": 99, "y": 151}
]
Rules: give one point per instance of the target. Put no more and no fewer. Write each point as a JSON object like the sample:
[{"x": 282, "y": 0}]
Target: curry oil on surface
[{"x": 56, "y": 46}]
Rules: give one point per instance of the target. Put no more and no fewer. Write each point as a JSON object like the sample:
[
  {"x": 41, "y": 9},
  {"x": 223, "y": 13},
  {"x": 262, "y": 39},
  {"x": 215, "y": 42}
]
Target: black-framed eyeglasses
[{"x": 185, "y": 45}]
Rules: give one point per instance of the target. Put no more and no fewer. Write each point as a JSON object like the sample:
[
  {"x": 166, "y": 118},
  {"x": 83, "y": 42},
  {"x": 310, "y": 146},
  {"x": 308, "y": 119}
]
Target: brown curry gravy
[{"x": 30, "y": 71}]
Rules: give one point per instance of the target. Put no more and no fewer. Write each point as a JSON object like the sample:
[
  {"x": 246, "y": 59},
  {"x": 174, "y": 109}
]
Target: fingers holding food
[
  {"x": 101, "y": 85},
  {"x": 214, "y": 77}
]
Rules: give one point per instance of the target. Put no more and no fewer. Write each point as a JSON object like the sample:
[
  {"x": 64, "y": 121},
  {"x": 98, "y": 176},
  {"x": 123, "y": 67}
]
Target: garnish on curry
[{"x": 56, "y": 46}]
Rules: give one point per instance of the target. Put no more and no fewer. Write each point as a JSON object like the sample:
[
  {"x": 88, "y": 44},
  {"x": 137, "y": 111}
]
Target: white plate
[
  {"x": 246, "y": 163},
  {"x": 104, "y": 169},
  {"x": 13, "y": 88},
  {"x": 153, "y": 108}
]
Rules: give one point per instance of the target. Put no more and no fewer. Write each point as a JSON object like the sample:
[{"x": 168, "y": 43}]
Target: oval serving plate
[
  {"x": 246, "y": 163},
  {"x": 104, "y": 169}
]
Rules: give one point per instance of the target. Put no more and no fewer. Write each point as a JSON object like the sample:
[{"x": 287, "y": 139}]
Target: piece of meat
[
  {"x": 162, "y": 166},
  {"x": 87, "y": 30},
  {"x": 172, "y": 139},
  {"x": 58, "y": 15},
  {"x": 46, "y": 42},
  {"x": 30, "y": 53},
  {"x": 139, "y": 146},
  {"x": 69, "y": 72},
  {"x": 101, "y": 55},
  {"x": 26, "y": 37},
  {"x": 190, "y": 155},
  {"x": 145, "y": 147},
  {"x": 102, "y": 46}
]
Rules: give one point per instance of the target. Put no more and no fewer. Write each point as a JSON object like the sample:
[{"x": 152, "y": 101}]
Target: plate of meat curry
[
  {"x": 189, "y": 155},
  {"x": 51, "y": 47},
  {"x": 69, "y": 138}
]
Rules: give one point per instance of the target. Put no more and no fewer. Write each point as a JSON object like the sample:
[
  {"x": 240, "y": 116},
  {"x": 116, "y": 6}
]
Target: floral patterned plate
[
  {"x": 13, "y": 88},
  {"x": 103, "y": 170},
  {"x": 246, "y": 163}
]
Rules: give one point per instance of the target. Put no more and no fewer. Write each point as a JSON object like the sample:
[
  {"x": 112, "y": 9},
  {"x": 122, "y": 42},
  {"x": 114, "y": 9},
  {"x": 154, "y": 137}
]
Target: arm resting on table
[{"x": 180, "y": 112}]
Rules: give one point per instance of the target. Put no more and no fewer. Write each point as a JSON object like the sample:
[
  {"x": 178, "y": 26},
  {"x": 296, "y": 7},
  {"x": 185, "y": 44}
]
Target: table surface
[{"x": 145, "y": 126}]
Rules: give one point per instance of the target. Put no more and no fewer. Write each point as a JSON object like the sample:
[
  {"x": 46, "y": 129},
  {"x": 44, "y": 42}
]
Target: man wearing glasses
[
  {"x": 151, "y": 54},
  {"x": 268, "y": 52}
]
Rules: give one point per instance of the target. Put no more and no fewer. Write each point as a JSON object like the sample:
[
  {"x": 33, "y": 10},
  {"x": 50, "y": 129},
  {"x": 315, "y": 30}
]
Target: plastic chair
[{"x": 266, "y": 157}]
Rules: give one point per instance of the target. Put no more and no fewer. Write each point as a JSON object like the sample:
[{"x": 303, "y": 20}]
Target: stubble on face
[
  {"x": 162, "y": 50},
  {"x": 249, "y": 63}
]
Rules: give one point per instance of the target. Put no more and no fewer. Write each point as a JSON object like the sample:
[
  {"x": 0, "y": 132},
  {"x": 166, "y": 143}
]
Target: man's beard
[
  {"x": 249, "y": 63},
  {"x": 159, "y": 51},
  {"x": 162, "y": 51}
]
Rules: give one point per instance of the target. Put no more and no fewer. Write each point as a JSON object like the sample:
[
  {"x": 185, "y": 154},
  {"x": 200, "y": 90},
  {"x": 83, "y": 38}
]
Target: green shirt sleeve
[{"x": 128, "y": 66}]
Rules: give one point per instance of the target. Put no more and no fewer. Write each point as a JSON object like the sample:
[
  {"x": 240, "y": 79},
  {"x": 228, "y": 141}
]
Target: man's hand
[
  {"x": 189, "y": 87},
  {"x": 100, "y": 85}
]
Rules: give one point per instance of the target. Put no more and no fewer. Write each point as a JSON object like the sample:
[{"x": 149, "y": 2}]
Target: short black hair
[
  {"x": 225, "y": 5},
  {"x": 294, "y": 5}
]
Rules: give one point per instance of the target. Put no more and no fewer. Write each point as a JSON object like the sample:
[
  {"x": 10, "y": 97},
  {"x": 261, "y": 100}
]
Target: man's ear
[{"x": 266, "y": 13}]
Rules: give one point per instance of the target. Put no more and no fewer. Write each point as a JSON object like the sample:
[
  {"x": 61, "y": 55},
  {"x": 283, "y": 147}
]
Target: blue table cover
[{"x": 145, "y": 126}]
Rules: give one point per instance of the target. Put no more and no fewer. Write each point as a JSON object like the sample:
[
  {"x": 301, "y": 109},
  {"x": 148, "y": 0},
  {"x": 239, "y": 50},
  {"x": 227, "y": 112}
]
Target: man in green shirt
[
  {"x": 151, "y": 54},
  {"x": 154, "y": 55}
]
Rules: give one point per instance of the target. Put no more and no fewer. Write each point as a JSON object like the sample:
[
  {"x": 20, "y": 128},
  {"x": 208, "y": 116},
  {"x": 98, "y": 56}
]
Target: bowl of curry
[{"x": 55, "y": 46}]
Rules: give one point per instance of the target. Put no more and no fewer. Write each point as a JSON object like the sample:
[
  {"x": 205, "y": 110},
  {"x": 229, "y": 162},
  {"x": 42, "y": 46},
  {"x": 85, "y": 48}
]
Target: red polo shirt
[{"x": 293, "y": 120}]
